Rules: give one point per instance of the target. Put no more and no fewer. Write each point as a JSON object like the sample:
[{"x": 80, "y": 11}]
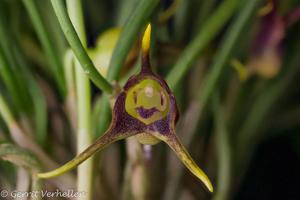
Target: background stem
[
  {"x": 223, "y": 152},
  {"x": 84, "y": 133}
]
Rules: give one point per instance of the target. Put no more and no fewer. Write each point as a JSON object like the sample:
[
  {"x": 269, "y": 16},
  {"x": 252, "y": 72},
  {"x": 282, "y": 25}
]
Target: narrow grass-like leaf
[
  {"x": 14, "y": 81},
  {"x": 223, "y": 151},
  {"x": 5, "y": 112},
  {"x": 209, "y": 30},
  {"x": 9, "y": 81},
  {"x": 40, "y": 114},
  {"x": 129, "y": 34},
  {"x": 43, "y": 35},
  {"x": 225, "y": 50}
]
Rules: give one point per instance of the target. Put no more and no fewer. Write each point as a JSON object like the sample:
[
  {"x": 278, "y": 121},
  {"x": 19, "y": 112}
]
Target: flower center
[{"x": 147, "y": 101}]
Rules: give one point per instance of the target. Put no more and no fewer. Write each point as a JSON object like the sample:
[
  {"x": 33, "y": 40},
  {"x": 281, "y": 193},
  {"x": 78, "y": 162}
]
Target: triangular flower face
[{"x": 146, "y": 108}]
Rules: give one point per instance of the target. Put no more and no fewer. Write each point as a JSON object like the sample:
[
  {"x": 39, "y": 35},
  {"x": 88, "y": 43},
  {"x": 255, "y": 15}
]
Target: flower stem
[{"x": 88, "y": 67}]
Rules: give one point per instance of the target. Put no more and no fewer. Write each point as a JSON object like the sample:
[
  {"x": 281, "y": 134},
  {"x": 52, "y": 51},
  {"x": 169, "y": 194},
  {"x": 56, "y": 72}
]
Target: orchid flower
[{"x": 145, "y": 108}]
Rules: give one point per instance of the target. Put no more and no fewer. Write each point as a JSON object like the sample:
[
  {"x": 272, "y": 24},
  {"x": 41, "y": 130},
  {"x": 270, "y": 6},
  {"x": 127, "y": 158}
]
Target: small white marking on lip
[{"x": 149, "y": 91}]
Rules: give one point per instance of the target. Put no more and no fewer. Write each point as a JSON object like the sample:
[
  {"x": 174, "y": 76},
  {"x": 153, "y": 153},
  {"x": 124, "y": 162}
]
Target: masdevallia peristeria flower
[{"x": 145, "y": 108}]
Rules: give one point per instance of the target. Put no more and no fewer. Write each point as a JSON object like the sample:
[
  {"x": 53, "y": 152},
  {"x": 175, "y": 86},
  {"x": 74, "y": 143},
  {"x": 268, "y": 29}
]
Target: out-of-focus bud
[
  {"x": 104, "y": 48},
  {"x": 268, "y": 44},
  {"x": 105, "y": 45},
  {"x": 266, "y": 55}
]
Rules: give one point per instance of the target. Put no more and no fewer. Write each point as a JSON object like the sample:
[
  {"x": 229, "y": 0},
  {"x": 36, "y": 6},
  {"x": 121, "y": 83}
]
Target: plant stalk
[{"x": 83, "y": 91}]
